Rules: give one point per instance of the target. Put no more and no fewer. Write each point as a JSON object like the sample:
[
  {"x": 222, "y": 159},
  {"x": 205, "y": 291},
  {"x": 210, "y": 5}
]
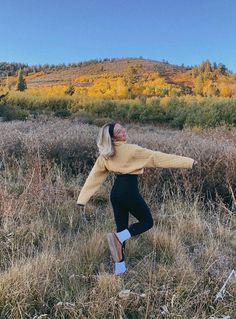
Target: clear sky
[{"x": 179, "y": 31}]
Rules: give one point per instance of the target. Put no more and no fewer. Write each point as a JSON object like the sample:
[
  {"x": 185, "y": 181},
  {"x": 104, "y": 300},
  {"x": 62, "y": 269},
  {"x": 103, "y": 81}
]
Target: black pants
[{"x": 125, "y": 199}]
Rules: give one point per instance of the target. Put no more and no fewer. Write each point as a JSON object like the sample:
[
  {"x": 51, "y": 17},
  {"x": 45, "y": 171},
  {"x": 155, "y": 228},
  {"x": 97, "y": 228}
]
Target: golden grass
[{"x": 55, "y": 264}]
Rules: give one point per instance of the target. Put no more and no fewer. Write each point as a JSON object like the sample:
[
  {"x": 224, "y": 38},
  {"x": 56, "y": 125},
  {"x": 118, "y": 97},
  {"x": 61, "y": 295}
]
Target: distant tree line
[
  {"x": 205, "y": 68},
  {"x": 12, "y": 68}
]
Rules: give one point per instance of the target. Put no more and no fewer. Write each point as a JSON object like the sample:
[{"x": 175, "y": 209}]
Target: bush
[
  {"x": 62, "y": 113},
  {"x": 176, "y": 112},
  {"x": 179, "y": 112},
  {"x": 10, "y": 113},
  {"x": 30, "y": 102}
]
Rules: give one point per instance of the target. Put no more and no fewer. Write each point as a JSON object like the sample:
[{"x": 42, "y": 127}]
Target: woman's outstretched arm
[
  {"x": 152, "y": 158},
  {"x": 93, "y": 182}
]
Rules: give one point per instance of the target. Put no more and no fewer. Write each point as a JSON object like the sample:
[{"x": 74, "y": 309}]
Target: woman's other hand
[
  {"x": 195, "y": 163},
  {"x": 83, "y": 213}
]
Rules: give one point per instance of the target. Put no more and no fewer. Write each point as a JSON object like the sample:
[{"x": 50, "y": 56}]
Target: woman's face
[{"x": 119, "y": 132}]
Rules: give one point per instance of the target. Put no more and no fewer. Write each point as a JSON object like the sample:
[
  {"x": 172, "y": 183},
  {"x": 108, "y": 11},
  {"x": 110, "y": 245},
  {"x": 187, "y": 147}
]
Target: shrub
[
  {"x": 179, "y": 112},
  {"x": 10, "y": 113},
  {"x": 62, "y": 113}
]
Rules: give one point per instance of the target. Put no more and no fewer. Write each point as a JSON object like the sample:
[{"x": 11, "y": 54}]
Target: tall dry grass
[
  {"x": 56, "y": 264},
  {"x": 71, "y": 145}
]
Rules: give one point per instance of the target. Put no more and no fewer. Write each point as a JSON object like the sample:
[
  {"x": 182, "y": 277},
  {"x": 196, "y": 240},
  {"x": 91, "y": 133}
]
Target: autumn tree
[
  {"x": 199, "y": 84},
  {"x": 213, "y": 90},
  {"x": 225, "y": 91},
  {"x": 194, "y": 72}
]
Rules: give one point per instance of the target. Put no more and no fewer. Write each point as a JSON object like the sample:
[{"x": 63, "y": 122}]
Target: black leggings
[{"x": 125, "y": 198}]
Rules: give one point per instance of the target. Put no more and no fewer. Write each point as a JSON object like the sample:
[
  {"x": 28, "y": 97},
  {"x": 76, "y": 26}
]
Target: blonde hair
[{"x": 105, "y": 142}]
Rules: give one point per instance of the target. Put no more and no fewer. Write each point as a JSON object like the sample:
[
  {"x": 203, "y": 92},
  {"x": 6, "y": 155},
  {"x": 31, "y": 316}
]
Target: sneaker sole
[
  {"x": 121, "y": 274},
  {"x": 112, "y": 247}
]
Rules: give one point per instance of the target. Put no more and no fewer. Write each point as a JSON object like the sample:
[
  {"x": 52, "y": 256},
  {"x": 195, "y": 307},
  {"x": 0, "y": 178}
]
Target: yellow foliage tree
[{"x": 225, "y": 91}]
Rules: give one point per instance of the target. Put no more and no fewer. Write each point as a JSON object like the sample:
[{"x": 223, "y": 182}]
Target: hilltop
[{"x": 61, "y": 73}]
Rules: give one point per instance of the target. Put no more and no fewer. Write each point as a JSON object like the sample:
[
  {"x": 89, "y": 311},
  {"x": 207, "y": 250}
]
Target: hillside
[
  {"x": 111, "y": 67},
  {"x": 128, "y": 78}
]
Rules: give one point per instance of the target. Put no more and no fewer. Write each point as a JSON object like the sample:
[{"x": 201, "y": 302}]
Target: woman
[{"x": 127, "y": 161}]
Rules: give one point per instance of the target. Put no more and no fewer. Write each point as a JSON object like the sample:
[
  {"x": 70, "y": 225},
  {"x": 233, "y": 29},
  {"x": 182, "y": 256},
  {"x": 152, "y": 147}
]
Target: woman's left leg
[{"x": 121, "y": 215}]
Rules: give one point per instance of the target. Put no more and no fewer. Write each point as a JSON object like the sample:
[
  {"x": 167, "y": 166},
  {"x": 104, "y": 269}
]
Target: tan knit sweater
[{"x": 128, "y": 159}]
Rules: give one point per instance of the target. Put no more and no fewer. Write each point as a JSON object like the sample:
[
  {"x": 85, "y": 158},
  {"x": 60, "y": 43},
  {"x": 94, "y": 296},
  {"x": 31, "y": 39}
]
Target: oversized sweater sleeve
[
  {"x": 151, "y": 158},
  {"x": 94, "y": 180}
]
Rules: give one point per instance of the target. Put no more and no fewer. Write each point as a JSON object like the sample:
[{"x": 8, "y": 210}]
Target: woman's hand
[
  {"x": 82, "y": 209},
  {"x": 195, "y": 163}
]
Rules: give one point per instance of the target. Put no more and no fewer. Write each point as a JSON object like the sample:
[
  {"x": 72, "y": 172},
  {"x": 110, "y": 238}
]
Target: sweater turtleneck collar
[{"x": 118, "y": 142}]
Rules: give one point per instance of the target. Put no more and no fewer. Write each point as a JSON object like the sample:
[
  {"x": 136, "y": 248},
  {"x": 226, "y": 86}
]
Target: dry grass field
[{"x": 54, "y": 260}]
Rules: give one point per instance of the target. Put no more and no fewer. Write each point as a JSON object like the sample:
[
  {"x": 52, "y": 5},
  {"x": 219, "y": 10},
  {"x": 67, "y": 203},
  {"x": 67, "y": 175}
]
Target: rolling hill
[{"x": 154, "y": 76}]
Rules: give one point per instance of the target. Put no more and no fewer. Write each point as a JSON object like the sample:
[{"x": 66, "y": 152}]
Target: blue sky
[{"x": 179, "y": 31}]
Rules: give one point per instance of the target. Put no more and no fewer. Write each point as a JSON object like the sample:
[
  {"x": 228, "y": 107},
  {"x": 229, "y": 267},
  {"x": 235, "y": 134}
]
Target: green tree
[
  {"x": 214, "y": 65},
  {"x": 8, "y": 85},
  {"x": 222, "y": 68},
  {"x": 131, "y": 76},
  {"x": 205, "y": 67},
  {"x": 70, "y": 90},
  {"x": 21, "y": 84}
]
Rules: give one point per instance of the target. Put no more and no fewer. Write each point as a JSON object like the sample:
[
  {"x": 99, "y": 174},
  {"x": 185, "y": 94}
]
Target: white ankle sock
[
  {"x": 123, "y": 235},
  {"x": 120, "y": 267}
]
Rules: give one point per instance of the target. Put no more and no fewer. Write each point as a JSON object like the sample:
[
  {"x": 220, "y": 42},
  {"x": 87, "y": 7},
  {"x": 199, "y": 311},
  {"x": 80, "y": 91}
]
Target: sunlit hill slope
[{"x": 124, "y": 78}]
